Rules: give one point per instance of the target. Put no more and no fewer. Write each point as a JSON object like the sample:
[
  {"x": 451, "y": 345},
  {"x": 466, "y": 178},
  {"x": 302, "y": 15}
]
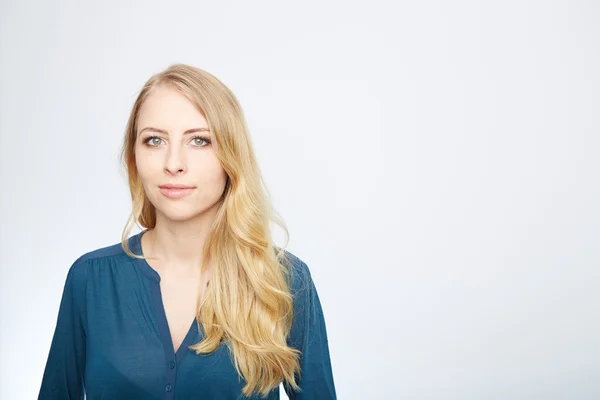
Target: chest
[
  {"x": 180, "y": 298},
  {"x": 127, "y": 352}
]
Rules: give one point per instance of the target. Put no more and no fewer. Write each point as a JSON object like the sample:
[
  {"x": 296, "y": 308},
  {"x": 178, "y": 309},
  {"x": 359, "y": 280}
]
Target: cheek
[
  {"x": 140, "y": 162},
  {"x": 146, "y": 176},
  {"x": 146, "y": 167},
  {"x": 212, "y": 173},
  {"x": 215, "y": 177}
]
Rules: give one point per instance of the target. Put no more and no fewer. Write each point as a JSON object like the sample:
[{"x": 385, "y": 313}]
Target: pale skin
[{"x": 177, "y": 156}]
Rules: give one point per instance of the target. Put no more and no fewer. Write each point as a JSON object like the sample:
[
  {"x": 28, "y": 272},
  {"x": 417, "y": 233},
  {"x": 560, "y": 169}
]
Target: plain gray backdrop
[{"x": 436, "y": 163}]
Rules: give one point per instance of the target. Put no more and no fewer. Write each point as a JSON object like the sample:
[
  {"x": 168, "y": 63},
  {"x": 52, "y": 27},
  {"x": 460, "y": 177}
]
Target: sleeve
[
  {"x": 65, "y": 366},
  {"x": 309, "y": 335}
]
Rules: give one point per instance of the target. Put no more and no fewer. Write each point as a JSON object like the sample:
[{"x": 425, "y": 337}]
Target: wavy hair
[{"x": 248, "y": 304}]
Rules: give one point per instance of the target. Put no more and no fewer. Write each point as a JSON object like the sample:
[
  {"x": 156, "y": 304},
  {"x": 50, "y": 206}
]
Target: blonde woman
[{"x": 200, "y": 304}]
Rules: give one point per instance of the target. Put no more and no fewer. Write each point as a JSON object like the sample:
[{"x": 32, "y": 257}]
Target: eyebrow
[{"x": 194, "y": 130}]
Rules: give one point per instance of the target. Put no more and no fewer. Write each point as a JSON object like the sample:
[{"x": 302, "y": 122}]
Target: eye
[
  {"x": 151, "y": 138},
  {"x": 203, "y": 139},
  {"x": 154, "y": 141}
]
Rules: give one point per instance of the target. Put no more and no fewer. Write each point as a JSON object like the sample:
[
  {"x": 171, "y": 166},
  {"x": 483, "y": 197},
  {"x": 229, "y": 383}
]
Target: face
[{"x": 174, "y": 147}]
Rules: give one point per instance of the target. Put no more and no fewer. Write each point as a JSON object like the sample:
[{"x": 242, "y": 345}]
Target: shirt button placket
[{"x": 171, "y": 373}]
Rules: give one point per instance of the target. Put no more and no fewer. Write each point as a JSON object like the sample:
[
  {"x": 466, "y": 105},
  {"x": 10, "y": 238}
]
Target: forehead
[{"x": 167, "y": 106}]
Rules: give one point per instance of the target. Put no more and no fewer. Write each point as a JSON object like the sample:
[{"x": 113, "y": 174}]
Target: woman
[{"x": 206, "y": 256}]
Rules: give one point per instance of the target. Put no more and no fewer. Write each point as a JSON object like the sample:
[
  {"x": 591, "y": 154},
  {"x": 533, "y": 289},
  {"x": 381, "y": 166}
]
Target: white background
[{"x": 436, "y": 163}]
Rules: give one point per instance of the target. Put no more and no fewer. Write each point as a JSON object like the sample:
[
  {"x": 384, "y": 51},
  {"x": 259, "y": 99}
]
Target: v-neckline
[
  {"x": 159, "y": 309},
  {"x": 165, "y": 332}
]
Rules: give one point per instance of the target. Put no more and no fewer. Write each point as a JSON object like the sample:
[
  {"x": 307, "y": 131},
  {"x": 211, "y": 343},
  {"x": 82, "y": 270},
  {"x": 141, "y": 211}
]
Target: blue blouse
[{"x": 112, "y": 339}]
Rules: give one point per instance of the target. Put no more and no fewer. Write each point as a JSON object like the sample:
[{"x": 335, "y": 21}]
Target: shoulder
[
  {"x": 114, "y": 250},
  {"x": 97, "y": 258},
  {"x": 300, "y": 278}
]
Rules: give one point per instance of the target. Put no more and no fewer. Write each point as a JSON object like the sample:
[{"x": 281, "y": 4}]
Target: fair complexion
[{"x": 174, "y": 146}]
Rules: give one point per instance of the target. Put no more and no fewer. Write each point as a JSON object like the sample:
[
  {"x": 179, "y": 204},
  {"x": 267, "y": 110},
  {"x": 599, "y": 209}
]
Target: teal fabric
[{"x": 112, "y": 339}]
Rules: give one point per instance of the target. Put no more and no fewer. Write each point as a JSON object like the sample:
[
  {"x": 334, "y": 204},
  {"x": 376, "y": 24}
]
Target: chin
[
  {"x": 185, "y": 209},
  {"x": 183, "y": 212},
  {"x": 173, "y": 214}
]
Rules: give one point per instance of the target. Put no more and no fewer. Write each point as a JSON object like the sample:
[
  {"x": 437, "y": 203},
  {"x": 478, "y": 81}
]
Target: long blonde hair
[{"x": 248, "y": 304}]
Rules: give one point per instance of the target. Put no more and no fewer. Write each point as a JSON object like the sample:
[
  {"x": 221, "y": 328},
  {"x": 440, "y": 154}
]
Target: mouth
[
  {"x": 176, "y": 192},
  {"x": 175, "y": 186}
]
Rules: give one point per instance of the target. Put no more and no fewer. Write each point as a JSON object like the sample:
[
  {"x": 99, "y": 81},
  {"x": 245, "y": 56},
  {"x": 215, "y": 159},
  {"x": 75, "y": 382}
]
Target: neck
[{"x": 178, "y": 246}]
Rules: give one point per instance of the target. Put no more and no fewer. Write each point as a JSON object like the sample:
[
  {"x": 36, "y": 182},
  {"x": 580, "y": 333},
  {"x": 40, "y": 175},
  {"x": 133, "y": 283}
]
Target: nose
[{"x": 175, "y": 163}]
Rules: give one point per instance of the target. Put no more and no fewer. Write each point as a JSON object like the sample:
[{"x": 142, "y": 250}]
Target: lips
[
  {"x": 175, "y": 186},
  {"x": 176, "y": 191}
]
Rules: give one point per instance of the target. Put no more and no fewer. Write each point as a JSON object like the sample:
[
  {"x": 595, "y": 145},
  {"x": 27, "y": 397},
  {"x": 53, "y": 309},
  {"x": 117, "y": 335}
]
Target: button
[
  {"x": 172, "y": 364},
  {"x": 168, "y": 387}
]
